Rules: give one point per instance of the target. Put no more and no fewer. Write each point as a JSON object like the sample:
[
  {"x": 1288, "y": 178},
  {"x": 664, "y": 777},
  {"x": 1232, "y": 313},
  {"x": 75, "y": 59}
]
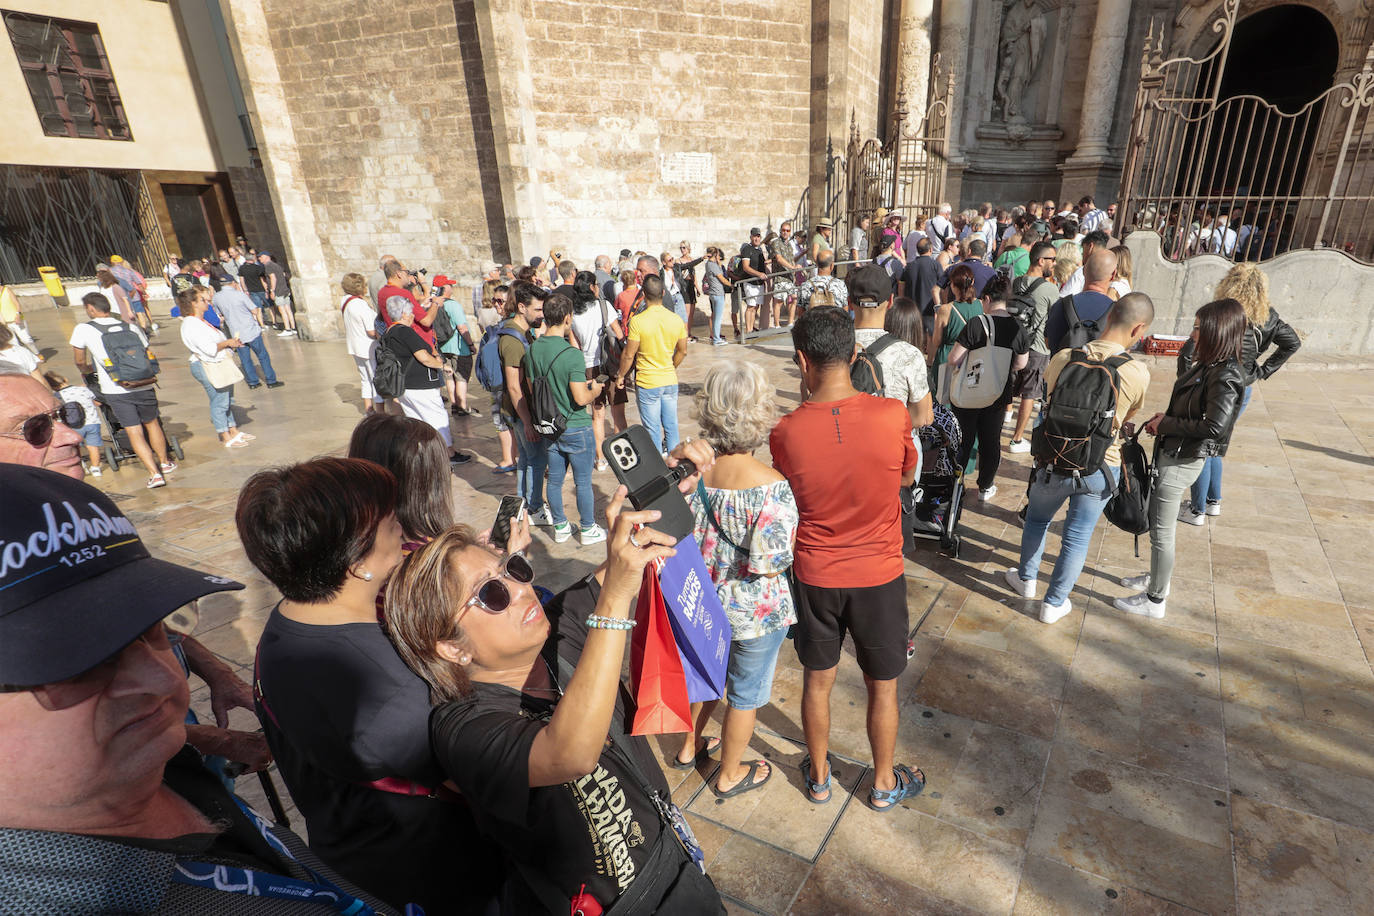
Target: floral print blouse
[{"x": 751, "y": 582}]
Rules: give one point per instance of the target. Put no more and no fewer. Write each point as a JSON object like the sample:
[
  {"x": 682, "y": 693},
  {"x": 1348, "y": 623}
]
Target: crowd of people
[{"x": 455, "y": 736}]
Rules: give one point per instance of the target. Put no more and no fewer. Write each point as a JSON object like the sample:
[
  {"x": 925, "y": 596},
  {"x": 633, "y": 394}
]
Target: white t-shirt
[
  {"x": 904, "y": 367},
  {"x": 88, "y": 337},
  {"x": 1074, "y": 284},
  {"x": 1121, "y": 287},
  {"x": 936, "y": 227},
  {"x": 19, "y": 357},
  {"x": 359, "y": 318},
  {"x": 587, "y": 327},
  {"x": 203, "y": 341}
]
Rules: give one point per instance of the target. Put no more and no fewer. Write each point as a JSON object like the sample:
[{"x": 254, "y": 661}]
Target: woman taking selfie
[
  {"x": 1202, "y": 412},
  {"x": 525, "y": 699}
]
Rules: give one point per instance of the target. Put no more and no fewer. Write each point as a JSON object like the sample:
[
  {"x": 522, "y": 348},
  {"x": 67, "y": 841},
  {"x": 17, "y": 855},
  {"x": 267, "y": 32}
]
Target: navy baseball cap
[
  {"x": 870, "y": 286},
  {"x": 76, "y": 583}
]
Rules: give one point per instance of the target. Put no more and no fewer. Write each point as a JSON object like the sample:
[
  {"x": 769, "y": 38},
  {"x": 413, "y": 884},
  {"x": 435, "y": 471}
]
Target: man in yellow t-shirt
[{"x": 656, "y": 347}]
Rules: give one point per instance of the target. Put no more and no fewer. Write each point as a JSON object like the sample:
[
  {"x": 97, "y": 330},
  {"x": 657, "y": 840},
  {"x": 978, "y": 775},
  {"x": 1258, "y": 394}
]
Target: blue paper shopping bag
[{"x": 699, "y": 623}]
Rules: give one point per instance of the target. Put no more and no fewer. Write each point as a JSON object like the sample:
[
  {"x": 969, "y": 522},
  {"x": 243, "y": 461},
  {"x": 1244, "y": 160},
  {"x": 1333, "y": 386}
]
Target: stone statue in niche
[{"x": 1018, "y": 54}]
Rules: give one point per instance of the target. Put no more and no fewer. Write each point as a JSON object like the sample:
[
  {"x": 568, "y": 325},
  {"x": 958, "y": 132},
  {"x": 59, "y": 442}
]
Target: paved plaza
[{"x": 1218, "y": 760}]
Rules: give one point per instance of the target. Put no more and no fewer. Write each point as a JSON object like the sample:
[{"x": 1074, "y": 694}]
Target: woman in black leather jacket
[
  {"x": 1202, "y": 412},
  {"x": 1249, "y": 286}
]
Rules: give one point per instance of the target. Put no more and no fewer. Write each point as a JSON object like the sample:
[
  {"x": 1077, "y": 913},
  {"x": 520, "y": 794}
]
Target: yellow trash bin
[{"x": 54, "y": 284}]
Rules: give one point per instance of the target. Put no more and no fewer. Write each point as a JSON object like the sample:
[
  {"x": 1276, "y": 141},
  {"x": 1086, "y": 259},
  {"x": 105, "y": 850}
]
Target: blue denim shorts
[
  {"x": 749, "y": 677},
  {"x": 90, "y": 434}
]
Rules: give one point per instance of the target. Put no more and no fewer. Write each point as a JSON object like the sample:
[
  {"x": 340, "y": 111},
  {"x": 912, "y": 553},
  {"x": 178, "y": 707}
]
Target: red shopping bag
[{"x": 657, "y": 679}]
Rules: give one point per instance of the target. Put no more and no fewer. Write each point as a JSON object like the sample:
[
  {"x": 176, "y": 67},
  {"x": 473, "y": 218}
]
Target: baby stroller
[
  {"x": 939, "y": 494},
  {"x": 118, "y": 449}
]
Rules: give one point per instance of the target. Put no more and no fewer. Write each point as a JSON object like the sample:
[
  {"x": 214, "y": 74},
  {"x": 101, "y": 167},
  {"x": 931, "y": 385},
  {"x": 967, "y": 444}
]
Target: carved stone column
[
  {"x": 955, "y": 22},
  {"x": 1092, "y": 161},
  {"x": 914, "y": 61}
]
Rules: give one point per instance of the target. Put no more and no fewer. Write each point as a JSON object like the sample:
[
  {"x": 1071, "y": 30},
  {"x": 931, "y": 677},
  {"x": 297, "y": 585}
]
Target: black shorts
[
  {"x": 1030, "y": 381},
  {"x": 610, "y": 395},
  {"x": 875, "y": 615},
  {"x": 134, "y": 408},
  {"x": 461, "y": 365}
]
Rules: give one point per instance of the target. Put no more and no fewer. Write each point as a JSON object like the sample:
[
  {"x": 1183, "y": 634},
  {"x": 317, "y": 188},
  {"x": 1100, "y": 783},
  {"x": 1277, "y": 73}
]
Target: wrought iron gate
[
  {"x": 1238, "y": 176},
  {"x": 906, "y": 174}
]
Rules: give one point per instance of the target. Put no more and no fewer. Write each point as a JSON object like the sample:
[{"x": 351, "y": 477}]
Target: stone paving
[{"x": 1219, "y": 760}]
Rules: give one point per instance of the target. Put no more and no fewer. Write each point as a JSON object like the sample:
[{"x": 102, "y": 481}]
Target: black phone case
[
  {"x": 500, "y": 529},
  {"x": 648, "y": 480}
]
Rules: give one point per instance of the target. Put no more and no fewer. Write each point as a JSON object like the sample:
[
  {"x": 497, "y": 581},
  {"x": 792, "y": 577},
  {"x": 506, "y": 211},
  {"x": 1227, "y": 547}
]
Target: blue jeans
[
  {"x": 717, "y": 314},
  {"x": 575, "y": 448},
  {"x": 259, "y": 300},
  {"x": 221, "y": 400},
  {"x": 531, "y": 461},
  {"x": 658, "y": 414},
  {"x": 1086, "y": 501},
  {"x": 256, "y": 346},
  {"x": 1207, "y": 487}
]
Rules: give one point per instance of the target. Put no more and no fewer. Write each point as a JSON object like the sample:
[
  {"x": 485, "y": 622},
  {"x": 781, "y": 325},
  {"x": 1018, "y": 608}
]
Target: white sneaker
[
  {"x": 1049, "y": 613},
  {"x": 1188, "y": 516},
  {"x": 1023, "y": 587},
  {"x": 561, "y": 532},
  {"x": 1140, "y": 583},
  {"x": 1018, "y": 446},
  {"x": 593, "y": 535},
  {"x": 542, "y": 517},
  {"x": 1214, "y": 508},
  {"x": 1141, "y": 604},
  {"x": 95, "y": 472},
  {"x": 987, "y": 493}
]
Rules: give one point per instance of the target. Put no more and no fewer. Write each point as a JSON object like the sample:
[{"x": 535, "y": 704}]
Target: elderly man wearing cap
[
  {"x": 753, "y": 261},
  {"x": 278, "y": 293},
  {"x": 102, "y": 807}
]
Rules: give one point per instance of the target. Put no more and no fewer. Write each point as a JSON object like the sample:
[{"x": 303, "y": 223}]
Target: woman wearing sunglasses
[
  {"x": 347, "y": 721},
  {"x": 530, "y": 721}
]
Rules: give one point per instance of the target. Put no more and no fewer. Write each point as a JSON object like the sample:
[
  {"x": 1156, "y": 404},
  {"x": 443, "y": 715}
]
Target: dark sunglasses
[
  {"x": 79, "y": 688},
  {"x": 493, "y": 595},
  {"x": 37, "y": 430}
]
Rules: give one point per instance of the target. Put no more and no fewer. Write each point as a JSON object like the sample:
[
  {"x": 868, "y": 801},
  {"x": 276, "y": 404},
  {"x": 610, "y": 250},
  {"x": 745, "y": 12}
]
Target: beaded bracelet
[{"x": 597, "y": 622}]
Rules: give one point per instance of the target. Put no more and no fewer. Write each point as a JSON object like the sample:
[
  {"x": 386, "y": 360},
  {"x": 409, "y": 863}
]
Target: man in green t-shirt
[{"x": 553, "y": 357}]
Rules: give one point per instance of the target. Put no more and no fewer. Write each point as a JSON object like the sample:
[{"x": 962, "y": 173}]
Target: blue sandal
[
  {"x": 812, "y": 787},
  {"x": 909, "y": 785}
]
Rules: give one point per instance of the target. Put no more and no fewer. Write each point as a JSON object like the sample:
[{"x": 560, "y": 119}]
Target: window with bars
[{"x": 68, "y": 76}]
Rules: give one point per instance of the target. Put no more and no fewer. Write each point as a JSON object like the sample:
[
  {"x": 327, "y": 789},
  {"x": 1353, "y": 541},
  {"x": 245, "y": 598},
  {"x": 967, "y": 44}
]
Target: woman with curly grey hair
[{"x": 746, "y": 523}]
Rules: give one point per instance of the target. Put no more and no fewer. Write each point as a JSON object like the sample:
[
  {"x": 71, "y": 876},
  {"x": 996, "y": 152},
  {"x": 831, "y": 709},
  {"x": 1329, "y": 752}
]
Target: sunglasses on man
[
  {"x": 79, "y": 688},
  {"x": 37, "y": 430}
]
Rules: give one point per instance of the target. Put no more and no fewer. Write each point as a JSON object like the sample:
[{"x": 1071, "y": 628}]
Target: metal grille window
[{"x": 68, "y": 77}]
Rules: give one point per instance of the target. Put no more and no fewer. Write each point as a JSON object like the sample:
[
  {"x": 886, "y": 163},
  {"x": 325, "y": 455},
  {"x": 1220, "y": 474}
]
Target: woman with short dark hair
[
  {"x": 346, "y": 720},
  {"x": 412, "y": 451},
  {"x": 530, "y": 720},
  {"x": 1202, "y": 412}
]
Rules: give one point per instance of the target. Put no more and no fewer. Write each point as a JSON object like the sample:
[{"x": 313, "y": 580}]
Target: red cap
[{"x": 440, "y": 280}]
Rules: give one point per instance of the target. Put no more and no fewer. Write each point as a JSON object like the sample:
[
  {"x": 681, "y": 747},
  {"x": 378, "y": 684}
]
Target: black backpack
[
  {"x": 865, "y": 372},
  {"x": 1021, "y": 304},
  {"x": 1072, "y": 438},
  {"x": 390, "y": 378},
  {"x": 128, "y": 361},
  {"x": 1129, "y": 508},
  {"x": 612, "y": 347},
  {"x": 545, "y": 416},
  {"x": 1080, "y": 331},
  {"x": 442, "y": 327}
]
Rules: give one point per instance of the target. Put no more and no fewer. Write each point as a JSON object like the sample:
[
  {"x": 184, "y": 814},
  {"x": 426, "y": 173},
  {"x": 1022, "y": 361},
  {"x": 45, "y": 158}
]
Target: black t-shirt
[
  {"x": 596, "y": 830},
  {"x": 345, "y": 711},
  {"x": 252, "y": 275},
  {"x": 1007, "y": 333},
  {"x": 403, "y": 341},
  {"x": 756, "y": 257},
  {"x": 921, "y": 276}
]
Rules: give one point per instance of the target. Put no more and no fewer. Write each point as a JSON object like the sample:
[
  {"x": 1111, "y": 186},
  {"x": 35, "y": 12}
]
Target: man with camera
[{"x": 404, "y": 283}]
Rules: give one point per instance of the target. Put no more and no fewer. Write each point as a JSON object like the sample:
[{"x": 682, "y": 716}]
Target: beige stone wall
[
  {"x": 658, "y": 120},
  {"x": 864, "y": 63},
  {"x": 154, "y": 81}
]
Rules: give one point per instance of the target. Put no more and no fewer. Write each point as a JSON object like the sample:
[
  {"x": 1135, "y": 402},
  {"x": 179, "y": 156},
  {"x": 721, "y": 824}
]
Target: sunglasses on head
[
  {"x": 493, "y": 595},
  {"x": 37, "y": 430},
  {"x": 79, "y": 688}
]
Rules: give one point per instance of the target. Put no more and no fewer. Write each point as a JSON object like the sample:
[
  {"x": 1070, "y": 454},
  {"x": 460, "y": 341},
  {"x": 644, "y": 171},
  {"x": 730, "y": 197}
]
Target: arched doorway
[{"x": 1286, "y": 55}]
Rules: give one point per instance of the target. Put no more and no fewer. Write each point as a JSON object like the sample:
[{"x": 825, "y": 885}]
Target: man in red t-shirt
[
  {"x": 846, "y": 454},
  {"x": 398, "y": 279}
]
